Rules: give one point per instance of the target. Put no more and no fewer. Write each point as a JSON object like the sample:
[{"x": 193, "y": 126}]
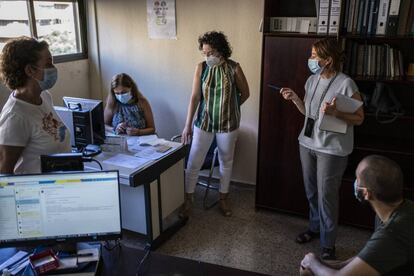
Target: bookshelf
[{"x": 284, "y": 63}]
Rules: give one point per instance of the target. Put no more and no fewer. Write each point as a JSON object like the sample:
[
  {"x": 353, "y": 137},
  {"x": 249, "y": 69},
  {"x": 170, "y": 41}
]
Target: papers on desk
[
  {"x": 343, "y": 104},
  {"x": 150, "y": 146},
  {"x": 144, "y": 139},
  {"x": 94, "y": 257},
  {"x": 127, "y": 161},
  {"x": 13, "y": 260},
  {"x": 16, "y": 263},
  {"x": 153, "y": 152}
]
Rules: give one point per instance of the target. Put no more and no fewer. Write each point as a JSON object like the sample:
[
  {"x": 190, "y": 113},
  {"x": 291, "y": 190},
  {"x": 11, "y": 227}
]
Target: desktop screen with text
[{"x": 53, "y": 206}]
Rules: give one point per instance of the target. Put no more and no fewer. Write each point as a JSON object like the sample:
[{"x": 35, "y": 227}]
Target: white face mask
[
  {"x": 124, "y": 97},
  {"x": 212, "y": 60}
]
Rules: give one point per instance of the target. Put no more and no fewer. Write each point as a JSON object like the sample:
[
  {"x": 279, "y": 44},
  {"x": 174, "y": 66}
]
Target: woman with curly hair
[
  {"x": 127, "y": 111},
  {"x": 29, "y": 125},
  {"x": 219, "y": 88}
]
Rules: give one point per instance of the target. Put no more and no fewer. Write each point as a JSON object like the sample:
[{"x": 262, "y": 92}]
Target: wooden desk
[
  {"x": 152, "y": 195},
  {"x": 124, "y": 261}
]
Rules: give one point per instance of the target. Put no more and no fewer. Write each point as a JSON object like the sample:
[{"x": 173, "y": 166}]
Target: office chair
[{"x": 210, "y": 162}]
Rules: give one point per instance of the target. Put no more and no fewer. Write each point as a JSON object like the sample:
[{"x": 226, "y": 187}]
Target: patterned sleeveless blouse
[
  {"x": 131, "y": 114},
  {"x": 219, "y": 109}
]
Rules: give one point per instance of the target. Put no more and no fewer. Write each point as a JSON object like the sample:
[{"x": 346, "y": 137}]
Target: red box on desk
[{"x": 44, "y": 261}]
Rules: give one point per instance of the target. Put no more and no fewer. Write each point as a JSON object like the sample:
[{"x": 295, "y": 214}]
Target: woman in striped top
[{"x": 219, "y": 88}]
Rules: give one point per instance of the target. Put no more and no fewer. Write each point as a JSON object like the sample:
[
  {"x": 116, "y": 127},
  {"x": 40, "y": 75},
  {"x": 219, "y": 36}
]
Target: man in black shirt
[{"x": 390, "y": 250}]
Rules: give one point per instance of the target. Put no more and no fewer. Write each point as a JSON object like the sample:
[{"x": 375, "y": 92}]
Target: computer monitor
[
  {"x": 59, "y": 207},
  {"x": 88, "y": 121}
]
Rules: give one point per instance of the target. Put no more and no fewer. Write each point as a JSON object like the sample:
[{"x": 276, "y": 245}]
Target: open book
[{"x": 343, "y": 104}]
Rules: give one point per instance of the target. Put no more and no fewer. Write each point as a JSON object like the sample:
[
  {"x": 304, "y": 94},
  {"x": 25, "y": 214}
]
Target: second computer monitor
[{"x": 88, "y": 120}]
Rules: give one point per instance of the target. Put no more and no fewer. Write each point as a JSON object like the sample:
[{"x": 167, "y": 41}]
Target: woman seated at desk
[{"x": 127, "y": 111}]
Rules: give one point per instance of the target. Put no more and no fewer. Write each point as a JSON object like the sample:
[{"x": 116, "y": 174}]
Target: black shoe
[
  {"x": 306, "y": 236},
  {"x": 328, "y": 253}
]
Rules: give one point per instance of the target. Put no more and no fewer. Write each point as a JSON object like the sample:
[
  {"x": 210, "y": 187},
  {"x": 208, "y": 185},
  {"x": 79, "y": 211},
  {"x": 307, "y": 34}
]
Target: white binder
[
  {"x": 334, "y": 17},
  {"x": 382, "y": 16},
  {"x": 323, "y": 17}
]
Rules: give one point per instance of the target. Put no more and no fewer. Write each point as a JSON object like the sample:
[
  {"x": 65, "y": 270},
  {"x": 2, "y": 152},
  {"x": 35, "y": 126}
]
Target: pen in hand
[{"x": 274, "y": 87}]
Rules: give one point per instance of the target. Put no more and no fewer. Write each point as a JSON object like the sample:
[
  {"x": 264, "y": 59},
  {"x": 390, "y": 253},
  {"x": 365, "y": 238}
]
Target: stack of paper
[{"x": 343, "y": 104}]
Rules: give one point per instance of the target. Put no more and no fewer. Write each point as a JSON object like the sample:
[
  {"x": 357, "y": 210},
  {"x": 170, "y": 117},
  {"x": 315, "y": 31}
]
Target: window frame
[{"x": 82, "y": 30}]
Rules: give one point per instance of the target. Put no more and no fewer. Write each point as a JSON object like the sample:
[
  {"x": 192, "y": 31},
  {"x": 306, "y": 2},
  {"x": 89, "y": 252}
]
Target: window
[{"x": 61, "y": 23}]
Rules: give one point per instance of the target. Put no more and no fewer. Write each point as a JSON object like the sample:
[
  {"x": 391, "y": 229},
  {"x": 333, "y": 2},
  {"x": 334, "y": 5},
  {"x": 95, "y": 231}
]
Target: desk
[
  {"x": 124, "y": 261},
  {"x": 152, "y": 195}
]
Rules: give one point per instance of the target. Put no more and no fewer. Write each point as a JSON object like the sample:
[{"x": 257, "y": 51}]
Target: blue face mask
[
  {"x": 50, "y": 76},
  {"x": 313, "y": 65},
  {"x": 124, "y": 97}
]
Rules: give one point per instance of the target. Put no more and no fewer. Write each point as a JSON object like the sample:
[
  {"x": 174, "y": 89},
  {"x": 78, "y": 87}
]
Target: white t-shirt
[
  {"x": 37, "y": 128},
  {"x": 340, "y": 144}
]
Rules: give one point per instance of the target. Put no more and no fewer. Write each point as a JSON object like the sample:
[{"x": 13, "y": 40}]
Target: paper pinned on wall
[{"x": 161, "y": 19}]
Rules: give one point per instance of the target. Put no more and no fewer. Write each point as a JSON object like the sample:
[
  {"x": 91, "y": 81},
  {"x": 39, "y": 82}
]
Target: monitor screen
[
  {"x": 88, "y": 120},
  {"x": 59, "y": 207}
]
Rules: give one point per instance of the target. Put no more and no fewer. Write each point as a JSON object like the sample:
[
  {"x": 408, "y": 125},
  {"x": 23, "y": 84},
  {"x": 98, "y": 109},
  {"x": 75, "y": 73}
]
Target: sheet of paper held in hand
[{"x": 343, "y": 104}]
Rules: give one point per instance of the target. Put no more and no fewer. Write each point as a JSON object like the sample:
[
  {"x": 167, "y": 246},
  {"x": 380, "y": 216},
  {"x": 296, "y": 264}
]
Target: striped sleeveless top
[{"x": 219, "y": 109}]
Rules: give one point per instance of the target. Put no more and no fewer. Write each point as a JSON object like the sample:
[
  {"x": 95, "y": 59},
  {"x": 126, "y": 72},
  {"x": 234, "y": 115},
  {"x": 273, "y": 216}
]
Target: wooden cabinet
[{"x": 284, "y": 64}]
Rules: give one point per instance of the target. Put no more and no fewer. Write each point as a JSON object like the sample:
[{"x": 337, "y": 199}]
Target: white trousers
[{"x": 201, "y": 142}]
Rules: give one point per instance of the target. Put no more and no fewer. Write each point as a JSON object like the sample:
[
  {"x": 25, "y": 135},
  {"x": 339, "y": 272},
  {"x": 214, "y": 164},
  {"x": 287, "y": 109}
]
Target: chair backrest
[{"x": 209, "y": 157}]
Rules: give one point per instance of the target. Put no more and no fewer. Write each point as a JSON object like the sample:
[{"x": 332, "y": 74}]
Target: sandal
[{"x": 306, "y": 236}]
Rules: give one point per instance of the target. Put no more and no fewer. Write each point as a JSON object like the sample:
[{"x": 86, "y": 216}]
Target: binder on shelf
[
  {"x": 403, "y": 18},
  {"x": 344, "y": 24},
  {"x": 382, "y": 16},
  {"x": 358, "y": 4},
  {"x": 393, "y": 14},
  {"x": 409, "y": 27},
  {"x": 334, "y": 16},
  {"x": 360, "y": 20},
  {"x": 292, "y": 24},
  {"x": 323, "y": 17},
  {"x": 373, "y": 16},
  {"x": 364, "y": 26},
  {"x": 352, "y": 17}
]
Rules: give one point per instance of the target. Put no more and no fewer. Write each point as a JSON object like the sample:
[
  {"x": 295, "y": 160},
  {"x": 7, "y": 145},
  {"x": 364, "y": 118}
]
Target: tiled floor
[{"x": 260, "y": 241}]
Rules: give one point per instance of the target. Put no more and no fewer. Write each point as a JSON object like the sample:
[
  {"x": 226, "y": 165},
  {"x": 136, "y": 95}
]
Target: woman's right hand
[
  {"x": 187, "y": 135},
  {"x": 121, "y": 128},
  {"x": 288, "y": 94}
]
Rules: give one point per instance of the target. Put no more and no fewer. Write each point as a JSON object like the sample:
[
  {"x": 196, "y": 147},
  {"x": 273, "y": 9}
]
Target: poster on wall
[{"x": 161, "y": 19}]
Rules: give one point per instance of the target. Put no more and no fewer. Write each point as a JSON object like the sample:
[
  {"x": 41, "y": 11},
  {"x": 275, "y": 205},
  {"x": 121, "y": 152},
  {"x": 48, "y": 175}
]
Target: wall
[
  {"x": 163, "y": 69},
  {"x": 72, "y": 81}
]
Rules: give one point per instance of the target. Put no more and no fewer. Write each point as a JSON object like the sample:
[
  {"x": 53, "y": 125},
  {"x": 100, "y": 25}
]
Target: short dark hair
[
  {"x": 383, "y": 177},
  {"x": 217, "y": 41},
  {"x": 329, "y": 47},
  {"x": 16, "y": 54}
]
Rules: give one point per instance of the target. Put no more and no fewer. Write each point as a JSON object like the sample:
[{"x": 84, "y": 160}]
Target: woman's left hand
[
  {"x": 330, "y": 108},
  {"x": 132, "y": 131}
]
